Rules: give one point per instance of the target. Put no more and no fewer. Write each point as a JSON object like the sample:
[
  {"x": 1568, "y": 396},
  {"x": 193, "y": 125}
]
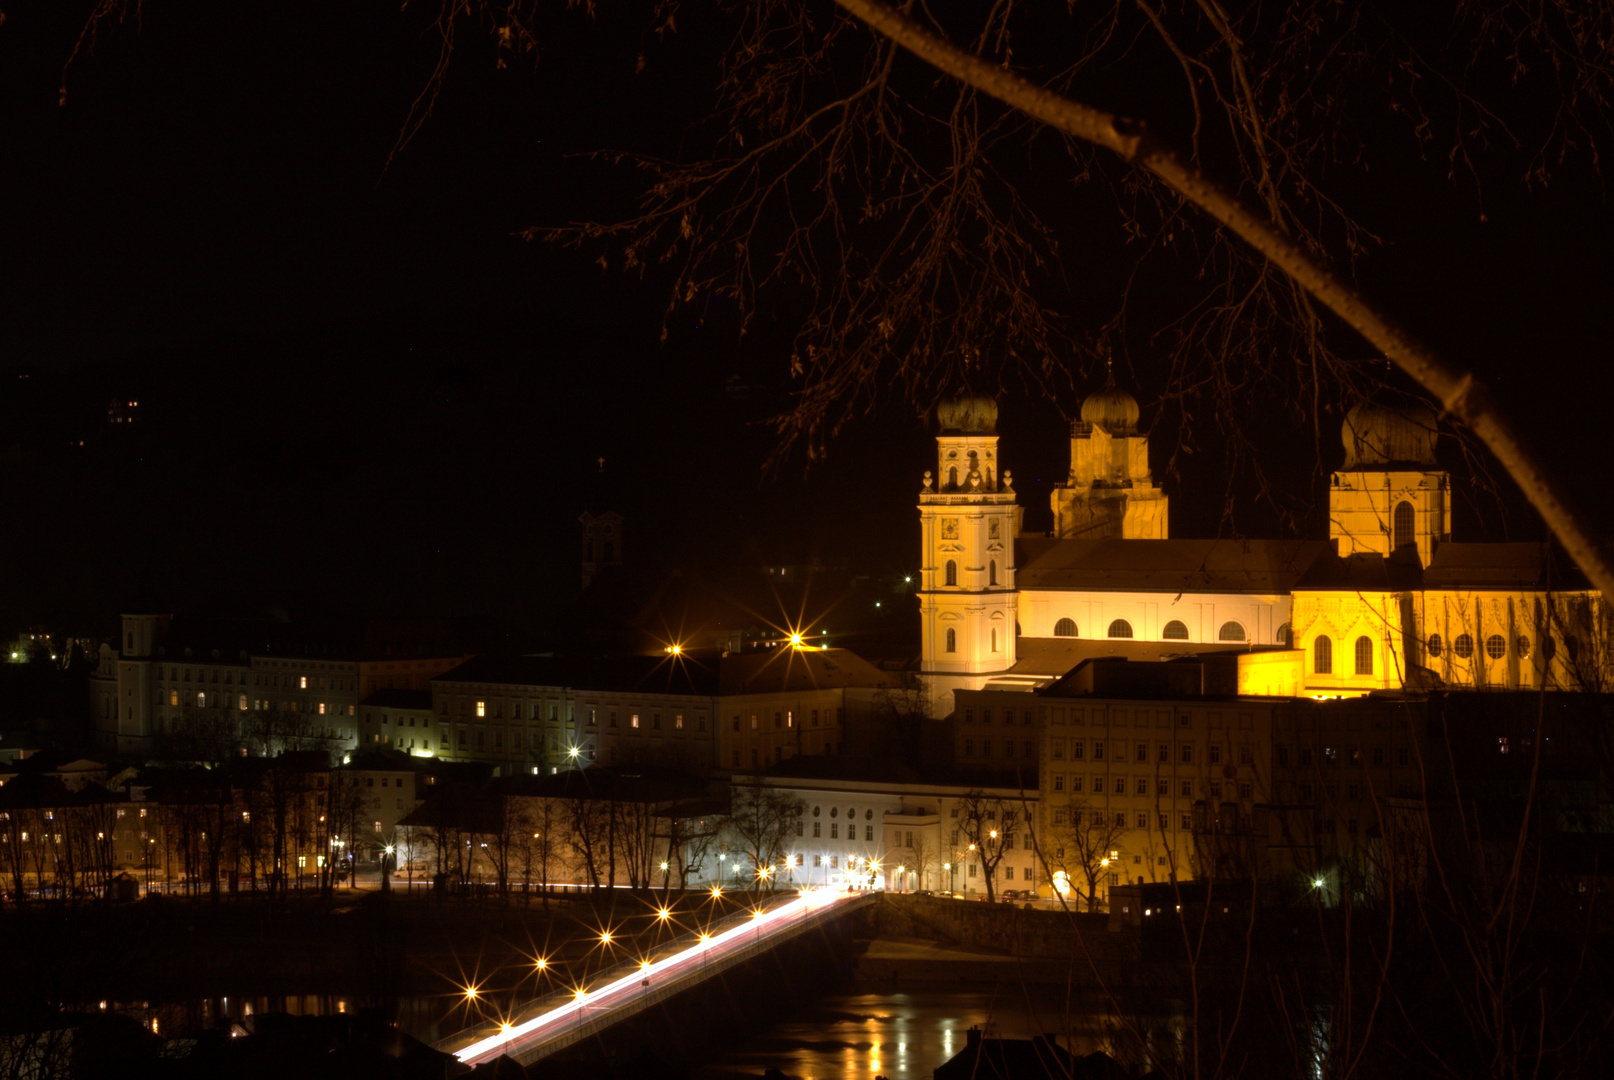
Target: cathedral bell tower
[
  {"x": 1110, "y": 493},
  {"x": 968, "y": 520},
  {"x": 1390, "y": 495}
]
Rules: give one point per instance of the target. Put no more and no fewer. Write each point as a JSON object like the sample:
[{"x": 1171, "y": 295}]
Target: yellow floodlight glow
[
  {"x": 705, "y": 938},
  {"x": 605, "y": 937},
  {"x": 540, "y": 963},
  {"x": 663, "y": 865},
  {"x": 579, "y": 994},
  {"x": 572, "y": 751},
  {"x": 795, "y": 639},
  {"x": 504, "y": 1028},
  {"x": 717, "y": 890},
  {"x": 663, "y": 914},
  {"x": 470, "y": 993}
]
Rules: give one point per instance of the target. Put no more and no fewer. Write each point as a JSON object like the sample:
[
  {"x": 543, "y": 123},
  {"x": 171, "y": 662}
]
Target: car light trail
[{"x": 494, "y": 1045}]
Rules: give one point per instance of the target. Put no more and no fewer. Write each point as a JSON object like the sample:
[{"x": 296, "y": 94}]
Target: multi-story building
[
  {"x": 869, "y": 824},
  {"x": 209, "y": 681},
  {"x": 543, "y": 713},
  {"x": 399, "y": 720}
]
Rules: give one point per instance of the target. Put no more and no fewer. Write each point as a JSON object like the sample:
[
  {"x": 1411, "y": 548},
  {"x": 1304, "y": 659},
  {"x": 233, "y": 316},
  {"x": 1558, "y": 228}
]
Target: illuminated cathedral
[{"x": 1388, "y": 602}]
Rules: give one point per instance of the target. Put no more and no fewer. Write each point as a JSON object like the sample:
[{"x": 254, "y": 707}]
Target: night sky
[{"x": 361, "y": 393}]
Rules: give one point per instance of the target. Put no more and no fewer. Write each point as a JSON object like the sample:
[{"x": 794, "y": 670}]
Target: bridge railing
[{"x": 659, "y": 990}]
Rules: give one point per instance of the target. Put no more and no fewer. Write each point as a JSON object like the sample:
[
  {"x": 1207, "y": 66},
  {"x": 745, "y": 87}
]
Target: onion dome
[
  {"x": 968, "y": 416},
  {"x": 1112, "y": 409},
  {"x": 1378, "y": 436}
]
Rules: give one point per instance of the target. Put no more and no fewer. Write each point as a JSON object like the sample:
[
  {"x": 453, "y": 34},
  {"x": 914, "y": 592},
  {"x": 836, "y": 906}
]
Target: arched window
[
  {"x": 1463, "y": 646},
  {"x": 1402, "y": 525},
  {"x": 1496, "y": 647},
  {"x": 201, "y": 700},
  {"x": 952, "y": 478},
  {"x": 129, "y": 641},
  {"x": 952, "y": 640},
  {"x": 1549, "y": 647},
  {"x": 992, "y": 572},
  {"x": 952, "y": 572},
  {"x": 1364, "y": 655},
  {"x": 1065, "y": 628},
  {"x": 1322, "y": 655},
  {"x": 1286, "y": 636},
  {"x": 1435, "y": 645},
  {"x": 1175, "y": 630},
  {"x": 1120, "y": 628},
  {"x": 1230, "y": 631},
  {"x": 1524, "y": 646},
  {"x": 994, "y": 639}
]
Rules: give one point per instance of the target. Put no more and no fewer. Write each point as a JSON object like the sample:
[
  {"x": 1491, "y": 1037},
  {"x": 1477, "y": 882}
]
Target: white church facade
[{"x": 1387, "y": 602}]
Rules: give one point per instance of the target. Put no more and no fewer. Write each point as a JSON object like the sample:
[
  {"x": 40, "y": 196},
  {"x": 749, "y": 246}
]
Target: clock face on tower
[{"x": 949, "y": 528}]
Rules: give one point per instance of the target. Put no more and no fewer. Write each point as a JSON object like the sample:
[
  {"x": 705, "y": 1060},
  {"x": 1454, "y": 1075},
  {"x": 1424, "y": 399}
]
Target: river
[{"x": 902, "y": 1036}]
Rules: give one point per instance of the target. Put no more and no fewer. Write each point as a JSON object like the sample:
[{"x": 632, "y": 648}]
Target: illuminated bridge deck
[{"x": 549, "y": 1024}]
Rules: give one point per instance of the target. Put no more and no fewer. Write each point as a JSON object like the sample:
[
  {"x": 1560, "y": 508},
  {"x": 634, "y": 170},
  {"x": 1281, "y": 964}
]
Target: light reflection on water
[{"x": 900, "y": 1036}]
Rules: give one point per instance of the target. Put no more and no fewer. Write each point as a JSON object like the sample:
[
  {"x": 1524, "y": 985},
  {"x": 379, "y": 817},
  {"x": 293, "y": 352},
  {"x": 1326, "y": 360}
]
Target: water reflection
[{"x": 903, "y": 1036}]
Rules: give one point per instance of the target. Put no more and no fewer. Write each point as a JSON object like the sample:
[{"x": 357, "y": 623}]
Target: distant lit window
[
  {"x": 1176, "y": 630},
  {"x": 302, "y": 682},
  {"x": 481, "y": 708},
  {"x": 1463, "y": 646},
  {"x": 173, "y": 697},
  {"x": 1120, "y": 628},
  {"x": 1364, "y": 655},
  {"x": 201, "y": 700},
  {"x": 241, "y": 703},
  {"x": 1065, "y": 628},
  {"x": 633, "y": 721},
  {"x": 322, "y": 708},
  {"x": 1231, "y": 631}
]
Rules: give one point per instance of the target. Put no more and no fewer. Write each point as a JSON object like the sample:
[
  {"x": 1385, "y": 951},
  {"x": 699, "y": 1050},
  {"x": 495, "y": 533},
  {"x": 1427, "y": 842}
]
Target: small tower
[
  {"x": 1390, "y": 495},
  {"x": 968, "y": 521},
  {"x": 1110, "y": 492},
  {"x": 602, "y": 543}
]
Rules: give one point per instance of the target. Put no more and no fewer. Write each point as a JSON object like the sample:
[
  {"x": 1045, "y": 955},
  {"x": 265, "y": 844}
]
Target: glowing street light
[
  {"x": 664, "y": 865},
  {"x": 663, "y": 914},
  {"x": 717, "y": 891},
  {"x": 795, "y": 639},
  {"x": 572, "y": 752},
  {"x": 540, "y": 963},
  {"x": 605, "y": 937}
]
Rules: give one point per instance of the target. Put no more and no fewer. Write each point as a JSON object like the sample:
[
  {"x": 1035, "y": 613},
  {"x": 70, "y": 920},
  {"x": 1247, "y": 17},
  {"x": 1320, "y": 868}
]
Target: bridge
[{"x": 549, "y": 1024}]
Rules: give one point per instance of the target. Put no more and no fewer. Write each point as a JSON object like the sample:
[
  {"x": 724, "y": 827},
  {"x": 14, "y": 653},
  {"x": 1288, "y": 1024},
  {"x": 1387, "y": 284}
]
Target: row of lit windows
[
  {"x": 1175, "y": 630},
  {"x": 1029, "y": 748},
  {"x": 1139, "y": 819},
  {"x": 1117, "y": 717},
  {"x": 276, "y": 681},
  {"x": 835, "y": 830},
  {"x": 1143, "y": 786},
  {"x": 1185, "y": 751},
  {"x": 1496, "y": 646},
  {"x": 786, "y": 718}
]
